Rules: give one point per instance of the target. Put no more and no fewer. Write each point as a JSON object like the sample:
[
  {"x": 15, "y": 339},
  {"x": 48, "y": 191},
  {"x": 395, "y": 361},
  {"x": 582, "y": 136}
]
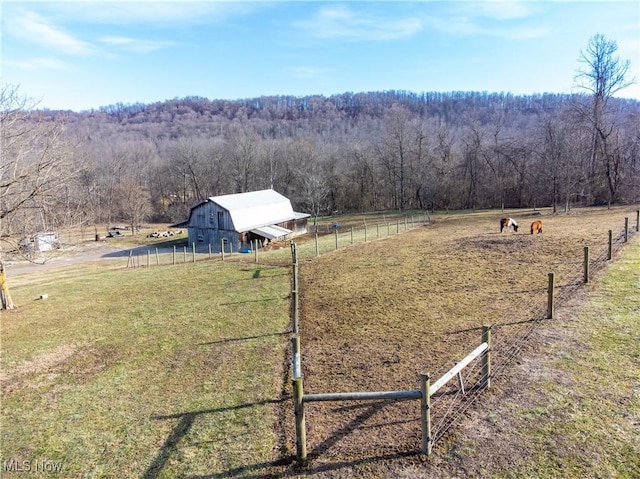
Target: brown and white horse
[
  {"x": 536, "y": 227},
  {"x": 505, "y": 223}
]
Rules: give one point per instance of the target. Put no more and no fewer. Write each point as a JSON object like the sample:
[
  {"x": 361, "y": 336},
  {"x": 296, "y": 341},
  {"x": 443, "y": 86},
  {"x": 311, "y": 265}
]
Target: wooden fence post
[
  {"x": 174, "y": 255},
  {"x": 626, "y": 229},
  {"x": 256, "y": 252},
  {"x": 148, "y": 258},
  {"x": 317, "y": 247},
  {"x": 222, "y": 248},
  {"x": 157, "y": 258},
  {"x": 130, "y": 258},
  {"x": 637, "y": 220},
  {"x": 365, "y": 233},
  {"x": 486, "y": 358},
  {"x": 193, "y": 249},
  {"x": 184, "y": 254},
  {"x": 610, "y": 251},
  {"x": 209, "y": 250},
  {"x": 298, "y": 408},
  {"x": 550, "y": 296},
  {"x": 586, "y": 264},
  {"x": 425, "y": 406},
  {"x": 336, "y": 234},
  {"x": 352, "y": 235}
]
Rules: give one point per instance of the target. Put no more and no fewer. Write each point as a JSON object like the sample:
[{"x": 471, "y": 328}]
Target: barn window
[
  {"x": 220, "y": 220},
  {"x": 200, "y": 238}
]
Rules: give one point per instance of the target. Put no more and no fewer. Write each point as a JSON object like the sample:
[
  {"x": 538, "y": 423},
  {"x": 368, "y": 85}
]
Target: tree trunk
[{"x": 5, "y": 296}]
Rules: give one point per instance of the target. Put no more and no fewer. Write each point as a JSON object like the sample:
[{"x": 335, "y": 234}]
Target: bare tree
[
  {"x": 603, "y": 75},
  {"x": 134, "y": 201},
  {"x": 35, "y": 165}
]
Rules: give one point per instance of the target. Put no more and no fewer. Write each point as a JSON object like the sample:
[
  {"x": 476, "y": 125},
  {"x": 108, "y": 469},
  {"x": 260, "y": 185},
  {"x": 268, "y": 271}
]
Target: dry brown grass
[{"x": 375, "y": 316}]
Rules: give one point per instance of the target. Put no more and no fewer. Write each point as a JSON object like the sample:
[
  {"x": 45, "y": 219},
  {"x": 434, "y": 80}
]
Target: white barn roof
[{"x": 256, "y": 209}]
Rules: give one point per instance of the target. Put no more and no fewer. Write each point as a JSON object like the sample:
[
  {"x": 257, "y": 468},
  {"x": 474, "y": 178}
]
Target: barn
[{"x": 242, "y": 218}]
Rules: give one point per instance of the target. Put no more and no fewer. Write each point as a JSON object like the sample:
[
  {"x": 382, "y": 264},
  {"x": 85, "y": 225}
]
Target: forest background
[{"x": 350, "y": 152}]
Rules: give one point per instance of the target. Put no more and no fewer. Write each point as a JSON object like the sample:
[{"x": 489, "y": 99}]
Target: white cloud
[
  {"x": 306, "y": 73},
  {"x": 37, "y": 64},
  {"x": 134, "y": 44},
  {"x": 502, "y": 9},
  {"x": 36, "y": 29},
  {"x": 146, "y": 12},
  {"x": 343, "y": 23}
]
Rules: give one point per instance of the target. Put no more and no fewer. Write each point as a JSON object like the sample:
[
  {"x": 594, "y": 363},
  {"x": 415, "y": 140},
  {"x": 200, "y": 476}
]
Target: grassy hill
[{"x": 183, "y": 370}]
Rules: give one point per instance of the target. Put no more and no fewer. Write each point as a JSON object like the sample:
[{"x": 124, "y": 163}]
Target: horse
[
  {"x": 536, "y": 227},
  {"x": 506, "y": 223}
]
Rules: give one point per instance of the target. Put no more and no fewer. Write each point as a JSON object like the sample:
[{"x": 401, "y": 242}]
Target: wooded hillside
[
  {"x": 345, "y": 153},
  {"x": 352, "y": 152}
]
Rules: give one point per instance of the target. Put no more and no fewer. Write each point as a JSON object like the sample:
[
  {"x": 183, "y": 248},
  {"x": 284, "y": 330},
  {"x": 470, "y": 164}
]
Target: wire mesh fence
[
  {"x": 510, "y": 337},
  {"x": 321, "y": 239},
  {"x": 450, "y": 403}
]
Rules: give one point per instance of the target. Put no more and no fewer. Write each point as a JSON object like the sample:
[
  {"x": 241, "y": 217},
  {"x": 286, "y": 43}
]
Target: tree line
[{"x": 352, "y": 152}]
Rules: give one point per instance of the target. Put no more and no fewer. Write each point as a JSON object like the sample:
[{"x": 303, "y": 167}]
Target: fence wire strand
[{"x": 510, "y": 338}]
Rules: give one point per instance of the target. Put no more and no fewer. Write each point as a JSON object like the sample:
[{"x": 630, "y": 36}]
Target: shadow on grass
[
  {"x": 246, "y": 338},
  {"x": 285, "y": 466},
  {"x": 181, "y": 429},
  {"x": 246, "y": 301},
  {"x": 261, "y": 470},
  {"x": 265, "y": 470}
]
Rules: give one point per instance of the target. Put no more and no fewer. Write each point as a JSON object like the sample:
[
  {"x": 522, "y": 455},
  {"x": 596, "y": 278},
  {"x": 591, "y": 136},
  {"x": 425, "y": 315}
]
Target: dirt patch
[{"x": 70, "y": 362}]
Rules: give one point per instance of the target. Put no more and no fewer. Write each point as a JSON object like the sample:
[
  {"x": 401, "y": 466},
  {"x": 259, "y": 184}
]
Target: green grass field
[
  {"x": 169, "y": 371},
  {"x": 183, "y": 370}
]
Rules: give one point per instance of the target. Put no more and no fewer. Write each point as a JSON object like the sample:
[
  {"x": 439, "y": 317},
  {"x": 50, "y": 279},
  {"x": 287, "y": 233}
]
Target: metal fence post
[
  {"x": 586, "y": 264},
  {"x": 550, "y": 296},
  {"x": 486, "y": 358}
]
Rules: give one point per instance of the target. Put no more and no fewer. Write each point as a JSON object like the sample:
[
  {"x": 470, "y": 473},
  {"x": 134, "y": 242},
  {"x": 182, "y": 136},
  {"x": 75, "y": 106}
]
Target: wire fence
[
  {"x": 321, "y": 239},
  {"x": 449, "y": 404},
  {"x": 510, "y": 337}
]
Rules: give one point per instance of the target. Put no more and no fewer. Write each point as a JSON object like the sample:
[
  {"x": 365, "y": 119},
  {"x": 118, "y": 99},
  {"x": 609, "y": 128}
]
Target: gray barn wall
[{"x": 204, "y": 228}]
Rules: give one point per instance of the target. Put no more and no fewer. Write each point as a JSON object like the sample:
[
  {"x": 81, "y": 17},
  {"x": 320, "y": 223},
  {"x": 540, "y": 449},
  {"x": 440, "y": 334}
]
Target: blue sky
[{"x": 80, "y": 55}]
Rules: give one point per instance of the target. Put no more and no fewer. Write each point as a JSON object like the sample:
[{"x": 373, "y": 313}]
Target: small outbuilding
[
  {"x": 240, "y": 219},
  {"x": 43, "y": 241}
]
